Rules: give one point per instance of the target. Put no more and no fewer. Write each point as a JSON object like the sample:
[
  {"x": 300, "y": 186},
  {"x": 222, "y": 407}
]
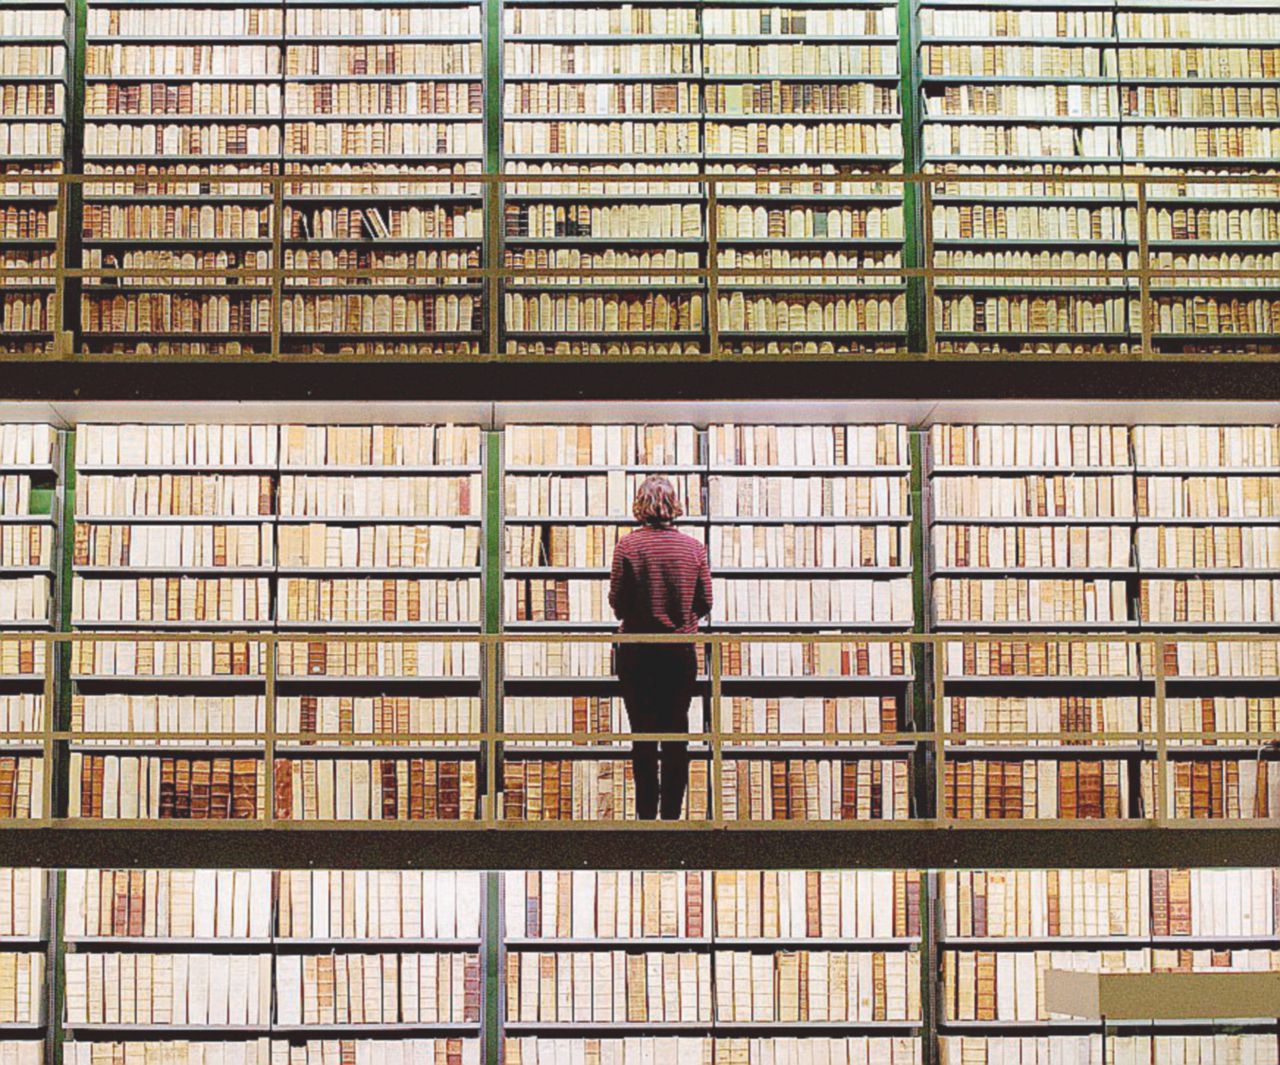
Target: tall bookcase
[
  {"x": 25, "y": 939},
  {"x": 35, "y": 63},
  {"x": 173, "y": 94},
  {"x": 1206, "y": 498},
  {"x": 1200, "y": 88},
  {"x": 270, "y": 966},
  {"x": 810, "y": 89},
  {"x": 726, "y": 964},
  {"x": 811, "y": 532},
  {"x": 567, "y": 495},
  {"x": 1031, "y": 534},
  {"x": 174, "y": 530},
  {"x": 1016, "y": 88},
  {"x": 380, "y": 536},
  {"x": 601, "y": 107},
  {"x": 30, "y": 513},
  {"x": 372, "y": 88}
]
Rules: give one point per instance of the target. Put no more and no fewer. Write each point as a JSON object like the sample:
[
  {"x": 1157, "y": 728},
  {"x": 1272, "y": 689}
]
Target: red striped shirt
[{"x": 661, "y": 581}]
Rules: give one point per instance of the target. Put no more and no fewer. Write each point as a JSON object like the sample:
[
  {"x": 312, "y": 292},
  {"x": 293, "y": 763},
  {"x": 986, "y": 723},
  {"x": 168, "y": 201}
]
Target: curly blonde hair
[{"x": 656, "y": 504}]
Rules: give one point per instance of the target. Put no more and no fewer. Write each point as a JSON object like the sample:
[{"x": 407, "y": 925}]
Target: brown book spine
[{"x": 283, "y": 789}]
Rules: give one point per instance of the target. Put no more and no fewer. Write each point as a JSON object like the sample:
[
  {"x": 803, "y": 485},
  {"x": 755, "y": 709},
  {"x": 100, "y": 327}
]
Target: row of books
[
  {"x": 214, "y": 495},
  {"x": 205, "y": 904},
  {"x": 372, "y": 601},
  {"x": 1009, "y": 985},
  {"x": 722, "y": 1050},
  {"x": 267, "y": 1052},
  {"x": 22, "y": 898},
  {"x": 169, "y": 599},
  {"x": 376, "y": 789},
  {"x": 401, "y": 988},
  {"x": 202, "y": 546},
  {"x": 817, "y": 986},
  {"x": 1089, "y": 903},
  {"x": 246, "y": 658},
  {"x": 1214, "y": 1049},
  {"x": 189, "y": 989},
  {"x": 22, "y": 976},
  {"x": 24, "y": 599},
  {"x": 816, "y": 789},
  {"x": 1195, "y": 904},
  {"x": 596, "y": 789}
]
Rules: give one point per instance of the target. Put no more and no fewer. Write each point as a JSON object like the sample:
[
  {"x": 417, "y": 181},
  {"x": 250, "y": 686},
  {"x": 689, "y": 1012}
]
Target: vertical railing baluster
[
  {"x": 268, "y": 656},
  {"x": 927, "y": 257},
  {"x": 1162, "y": 737},
  {"x": 713, "y": 269},
  {"x": 716, "y": 664},
  {"x": 938, "y": 731},
  {"x": 51, "y": 656},
  {"x": 1144, "y": 274}
]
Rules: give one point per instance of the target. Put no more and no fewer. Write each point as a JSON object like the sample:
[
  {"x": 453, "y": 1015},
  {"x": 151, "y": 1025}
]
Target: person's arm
[
  {"x": 702, "y": 594},
  {"x": 620, "y": 581}
]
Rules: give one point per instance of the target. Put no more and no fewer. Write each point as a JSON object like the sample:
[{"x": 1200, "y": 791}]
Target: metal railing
[
  {"x": 1154, "y": 745},
  {"x": 1154, "y": 267}
]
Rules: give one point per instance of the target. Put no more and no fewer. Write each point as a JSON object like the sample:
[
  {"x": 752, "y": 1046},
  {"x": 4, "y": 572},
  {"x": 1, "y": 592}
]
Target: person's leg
[
  {"x": 679, "y": 679},
  {"x": 634, "y": 676}
]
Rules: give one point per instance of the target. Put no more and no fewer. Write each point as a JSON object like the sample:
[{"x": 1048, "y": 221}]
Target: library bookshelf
[
  {"x": 345, "y": 624},
  {"x": 523, "y": 181},
  {"x": 36, "y": 57}
]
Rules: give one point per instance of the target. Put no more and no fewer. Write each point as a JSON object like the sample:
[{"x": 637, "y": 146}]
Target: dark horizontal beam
[
  {"x": 1028, "y": 378},
  {"x": 640, "y": 848}
]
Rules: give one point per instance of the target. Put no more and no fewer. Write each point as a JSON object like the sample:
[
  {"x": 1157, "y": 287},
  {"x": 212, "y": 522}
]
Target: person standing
[{"x": 660, "y": 583}]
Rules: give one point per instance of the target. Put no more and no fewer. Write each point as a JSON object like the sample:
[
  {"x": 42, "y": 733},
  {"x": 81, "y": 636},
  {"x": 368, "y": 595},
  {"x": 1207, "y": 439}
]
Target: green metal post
[
  {"x": 909, "y": 101},
  {"x": 73, "y": 152},
  {"x": 493, "y": 968},
  {"x": 920, "y": 701}
]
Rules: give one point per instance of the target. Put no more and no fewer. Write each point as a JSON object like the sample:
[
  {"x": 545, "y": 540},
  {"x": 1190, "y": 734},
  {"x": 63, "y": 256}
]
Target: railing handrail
[
  {"x": 1143, "y": 266},
  {"x": 1156, "y": 742}
]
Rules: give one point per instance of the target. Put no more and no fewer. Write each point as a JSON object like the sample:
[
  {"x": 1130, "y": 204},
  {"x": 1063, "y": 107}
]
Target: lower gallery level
[{"x": 542, "y": 967}]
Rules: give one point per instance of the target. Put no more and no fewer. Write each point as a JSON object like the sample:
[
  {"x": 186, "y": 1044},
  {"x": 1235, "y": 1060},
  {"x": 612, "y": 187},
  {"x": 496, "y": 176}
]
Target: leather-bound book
[
  {"x": 450, "y": 791},
  {"x": 283, "y": 790},
  {"x": 201, "y": 785},
  {"x": 244, "y": 788},
  {"x": 220, "y": 789}
]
